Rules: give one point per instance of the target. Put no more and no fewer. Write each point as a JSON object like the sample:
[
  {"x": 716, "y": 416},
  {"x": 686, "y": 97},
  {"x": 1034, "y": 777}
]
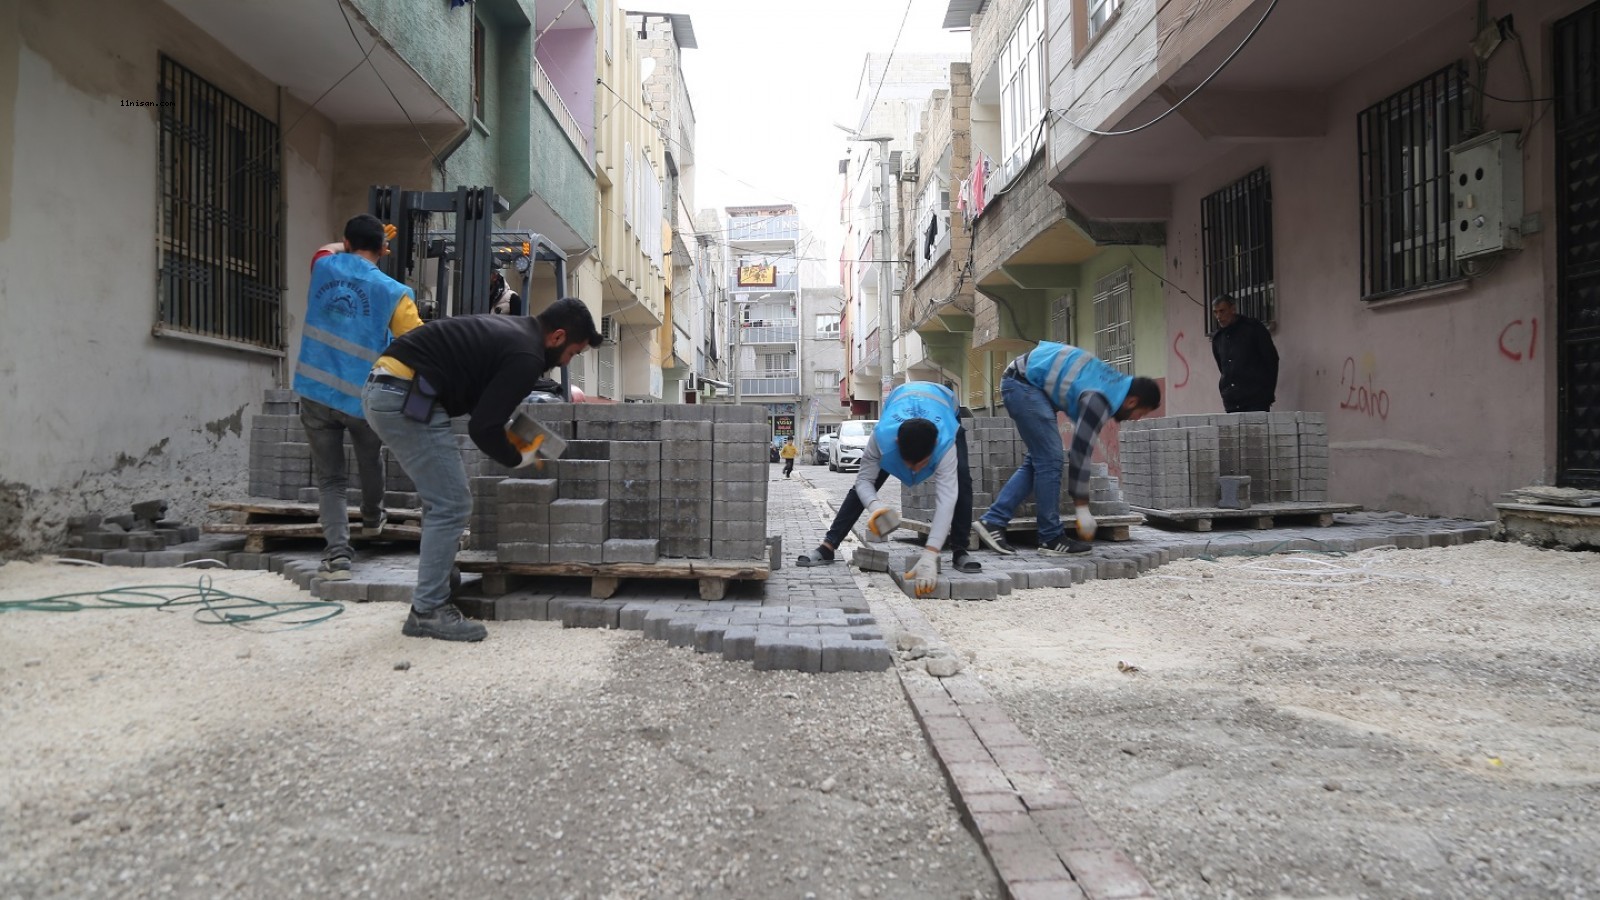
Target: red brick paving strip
[{"x": 1038, "y": 835}]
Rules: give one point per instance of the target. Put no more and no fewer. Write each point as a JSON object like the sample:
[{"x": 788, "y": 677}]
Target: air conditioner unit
[
  {"x": 609, "y": 329},
  {"x": 691, "y": 382}
]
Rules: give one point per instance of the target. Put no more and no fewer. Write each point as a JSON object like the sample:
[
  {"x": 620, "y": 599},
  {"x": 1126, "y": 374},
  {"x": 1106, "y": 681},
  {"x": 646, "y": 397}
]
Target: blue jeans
[
  {"x": 325, "y": 429},
  {"x": 1040, "y": 473},
  {"x": 428, "y": 453}
]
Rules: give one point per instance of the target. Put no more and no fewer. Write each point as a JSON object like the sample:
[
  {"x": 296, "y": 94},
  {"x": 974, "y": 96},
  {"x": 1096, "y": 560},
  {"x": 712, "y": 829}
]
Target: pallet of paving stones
[
  {"x": 261, "y": 519},
  {"x": 1258, "y": 516},
  {"x": 712, "y": 575},
  {"x": 1111, "y": 528}
]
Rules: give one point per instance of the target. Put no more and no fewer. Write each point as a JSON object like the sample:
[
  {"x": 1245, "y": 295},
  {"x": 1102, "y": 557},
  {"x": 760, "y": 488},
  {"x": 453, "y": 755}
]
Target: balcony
[
  {"x": 770, "y": 331},
  {"x": 763, "y": 229},
  {"x": 565, "y": 120},
  {"x": 775, "y": 383}
]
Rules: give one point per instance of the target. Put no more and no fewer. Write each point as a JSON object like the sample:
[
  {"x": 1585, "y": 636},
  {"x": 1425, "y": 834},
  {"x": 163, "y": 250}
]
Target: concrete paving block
[
  {"x": 592, "y": 552},
  {"x": 341, "y": 591},
  {"x": 131, "y": 558},
  {"x": 591, "y": 614},
  {"x": 635, "y": 551},
  {"x": 855, "y": 655},
  {"x": 162, "y": 559},
  {"x": 676, "y": 431},
  {"x": 967, "y": 587},
  {"x": 739, "y": 642},
  {"x": 739, "y": 413},
  {"x": 390, "y": 592},
  {"x": 708, "y": 636},
  {"x": 585, "y": 511},
  {"x": 787, "y": 653},
  {"x": 522, "y": 605},
  {"x": 868, "y": 559}
]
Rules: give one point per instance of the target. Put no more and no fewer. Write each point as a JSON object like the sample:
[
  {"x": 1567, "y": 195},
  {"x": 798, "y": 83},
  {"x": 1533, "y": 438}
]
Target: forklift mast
[{"x": 466, "y": 254}]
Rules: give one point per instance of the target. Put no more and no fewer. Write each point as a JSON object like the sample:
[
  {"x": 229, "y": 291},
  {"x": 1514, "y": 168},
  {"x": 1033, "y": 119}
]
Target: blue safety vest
[
  {"x": 916, "y": 400},
  {"x": 347, "y": 328},
  {"x": 1064, "y": 373}
]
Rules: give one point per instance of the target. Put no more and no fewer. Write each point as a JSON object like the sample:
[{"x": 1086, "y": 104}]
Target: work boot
[
  {"x": 445, "y": 623},
  {"x": 993, "y": 538},
  {"x": 1065, "y": 546},
  {"x": 335, "y": 569},
  {"x": 371, "y": 528}
]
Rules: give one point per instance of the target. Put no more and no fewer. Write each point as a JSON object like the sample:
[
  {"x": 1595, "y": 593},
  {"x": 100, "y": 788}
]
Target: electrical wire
[
  {"x": 887, "y": 63},
  {"x": 212, "y": 605},
  {"x": 1186, "y": 97},
  {"x": 367, "y": 58}
]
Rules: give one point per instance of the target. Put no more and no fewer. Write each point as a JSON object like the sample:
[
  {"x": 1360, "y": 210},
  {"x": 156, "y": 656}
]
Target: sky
[{"x": 769, "y": 80}]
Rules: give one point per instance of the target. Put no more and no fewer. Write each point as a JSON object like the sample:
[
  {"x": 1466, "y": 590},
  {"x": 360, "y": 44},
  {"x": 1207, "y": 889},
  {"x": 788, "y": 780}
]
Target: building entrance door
[{"x": 1577, "y": 333}]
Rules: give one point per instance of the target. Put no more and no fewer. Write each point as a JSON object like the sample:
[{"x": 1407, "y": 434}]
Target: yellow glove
[
  {"x": 528, "y": 449},
  {"x": 925, "y": 573},
  {"x": 1086, "y": 523},
  {"x": 882, "y": 520}
]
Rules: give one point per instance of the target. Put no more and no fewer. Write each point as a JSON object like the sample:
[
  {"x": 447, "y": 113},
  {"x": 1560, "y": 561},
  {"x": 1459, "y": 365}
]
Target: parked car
[
  {"x": 845, "y": 453},
  {"x": 820, "y": 455}
]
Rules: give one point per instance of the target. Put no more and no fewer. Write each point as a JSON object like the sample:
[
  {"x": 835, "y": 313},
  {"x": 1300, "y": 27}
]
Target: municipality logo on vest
[{"x": 339, "y": 298}]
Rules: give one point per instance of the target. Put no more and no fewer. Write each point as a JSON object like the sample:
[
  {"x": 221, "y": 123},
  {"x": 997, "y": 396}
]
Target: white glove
[
  {"x": 1086, "y": 523},
  {"x": 882, "y": 520},
  {"x": 925, "y": 573}
]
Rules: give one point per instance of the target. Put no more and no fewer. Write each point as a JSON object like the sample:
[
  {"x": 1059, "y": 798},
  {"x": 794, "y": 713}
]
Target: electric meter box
[{"x": 1486, "y": 194}]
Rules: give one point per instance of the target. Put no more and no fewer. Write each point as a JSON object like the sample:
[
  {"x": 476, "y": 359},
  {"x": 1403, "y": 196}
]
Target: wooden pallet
[
  {"x": 1261, "y": 515},
  {"x": 605, "y": 578},
  {"x": 258, "y": 520},
  {"x": 1110, "y": 528}
]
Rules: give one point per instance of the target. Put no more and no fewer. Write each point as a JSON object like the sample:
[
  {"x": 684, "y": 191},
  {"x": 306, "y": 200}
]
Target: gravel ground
[
  {"x": 1386, "y": 724},
  {"x": 148, "y": 755}
]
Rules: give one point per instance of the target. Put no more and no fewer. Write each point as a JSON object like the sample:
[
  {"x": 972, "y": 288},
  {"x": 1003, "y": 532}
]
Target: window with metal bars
[
  {"x": 1236, "y": 230},
  {"x": 1405, "y": 185},
  {"x": 1113, "y": 320},
  {"x": 220, "y": 237},
  {"x": 1061, "y": 318}
]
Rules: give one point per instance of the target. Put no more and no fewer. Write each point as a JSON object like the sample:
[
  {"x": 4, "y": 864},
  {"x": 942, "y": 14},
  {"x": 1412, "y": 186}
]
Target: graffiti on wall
[
  {"x": 1363, "y": 398},
  {"x": 1512, "y": 346},
  {"x": 1184, "y": 380}
]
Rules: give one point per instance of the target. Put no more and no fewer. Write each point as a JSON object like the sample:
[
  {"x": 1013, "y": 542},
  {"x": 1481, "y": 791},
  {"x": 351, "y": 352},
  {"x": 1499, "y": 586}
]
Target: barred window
[
  {"x": 220, "y": 237},
  {"x": 1061, "y": 318},
  {"x": 1405, "y": 185},
  {"x": 1113, "y": 320},
  {"x": 1236, "y": 230}
]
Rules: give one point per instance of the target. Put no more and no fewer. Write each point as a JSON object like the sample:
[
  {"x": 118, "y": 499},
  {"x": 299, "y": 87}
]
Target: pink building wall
[{"x": 1435, "y": 404}]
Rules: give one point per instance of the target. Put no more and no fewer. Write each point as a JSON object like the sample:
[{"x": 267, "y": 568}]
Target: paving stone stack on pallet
[
  {"x": 1178, "y": 462},
  {"x": 280, "y": 457},
  {"x": 638, "y": 483}
]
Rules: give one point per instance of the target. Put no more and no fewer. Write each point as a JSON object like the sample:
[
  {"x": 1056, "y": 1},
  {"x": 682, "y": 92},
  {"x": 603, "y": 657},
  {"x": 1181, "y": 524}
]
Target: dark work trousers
[
  {"x": 960, "y": 528},
  {"x": 788, "y": 466}
]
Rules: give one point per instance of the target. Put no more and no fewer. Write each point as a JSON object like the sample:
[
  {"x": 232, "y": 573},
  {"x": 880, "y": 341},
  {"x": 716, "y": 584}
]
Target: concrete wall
[
  {"x": 99, "y": 413},
  {"x": 1434, "y": 404}
]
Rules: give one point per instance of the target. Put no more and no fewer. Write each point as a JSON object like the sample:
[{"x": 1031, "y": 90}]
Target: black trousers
[
  {"x": 960, "y": 526},
  {"x": 788, "y": 466}
]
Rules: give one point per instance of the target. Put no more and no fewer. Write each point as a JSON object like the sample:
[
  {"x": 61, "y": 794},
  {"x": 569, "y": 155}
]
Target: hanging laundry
[{"x": 933, "y": 234}]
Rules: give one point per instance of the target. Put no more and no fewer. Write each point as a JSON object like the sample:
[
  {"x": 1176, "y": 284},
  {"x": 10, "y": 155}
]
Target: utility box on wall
[{"x": 1486, "y": 194}]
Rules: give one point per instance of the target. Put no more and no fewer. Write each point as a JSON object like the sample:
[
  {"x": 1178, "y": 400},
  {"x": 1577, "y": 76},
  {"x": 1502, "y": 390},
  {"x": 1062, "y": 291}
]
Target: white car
[{"x": 845, "y": 453}]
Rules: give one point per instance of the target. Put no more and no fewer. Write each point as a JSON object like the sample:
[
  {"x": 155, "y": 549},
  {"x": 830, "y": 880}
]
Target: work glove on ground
[
  {"x": 1086, "y": 523},
  {"x": 925, "y": 573},
  {"x": 882, "y": 520}
]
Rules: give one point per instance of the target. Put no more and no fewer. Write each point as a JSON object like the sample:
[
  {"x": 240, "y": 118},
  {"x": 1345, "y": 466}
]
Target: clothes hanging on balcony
[{"x": 933, "y": 235}]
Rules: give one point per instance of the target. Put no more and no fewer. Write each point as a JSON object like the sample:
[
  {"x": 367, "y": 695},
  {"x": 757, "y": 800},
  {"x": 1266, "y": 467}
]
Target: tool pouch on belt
[{"x": 420, "y": 399}]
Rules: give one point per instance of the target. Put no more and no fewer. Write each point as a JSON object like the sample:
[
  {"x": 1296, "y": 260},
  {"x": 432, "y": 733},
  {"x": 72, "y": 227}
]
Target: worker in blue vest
[
  {"x": 353, "y": 310},
  {"x": 913, "y": 441},
  {"x": 1048, "y": 379}
]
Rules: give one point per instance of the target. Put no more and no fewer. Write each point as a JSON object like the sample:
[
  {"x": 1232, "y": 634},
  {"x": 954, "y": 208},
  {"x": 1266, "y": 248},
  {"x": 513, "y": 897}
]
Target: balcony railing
[
  {"x": 546, "y": 89},
  {"x": 764, "y": 228},
  {"x": 770, "y": 331},
  {"x": 776, "y": 383}
]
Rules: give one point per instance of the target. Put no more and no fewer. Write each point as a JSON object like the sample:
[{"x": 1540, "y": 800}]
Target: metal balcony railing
[
  {"x": 764, "y": 228},
  {"x": 546, "y": 89},
  {"x": 776, "y": 383},
  {"x": 770, "y": 331}
]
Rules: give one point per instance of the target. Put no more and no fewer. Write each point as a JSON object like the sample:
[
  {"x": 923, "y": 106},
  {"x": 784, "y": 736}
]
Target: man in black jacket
[
  {"x": 482, "y": 366},
  {"x": 1245, "y": 357}
]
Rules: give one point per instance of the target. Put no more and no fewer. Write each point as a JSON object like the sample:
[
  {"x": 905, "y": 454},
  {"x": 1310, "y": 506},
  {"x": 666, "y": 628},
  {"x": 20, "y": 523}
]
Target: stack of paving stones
[
  {"x": 142, "y": 536},
  {"x": 1180, "y": 462},
  {"x": 280, "y": 457}
]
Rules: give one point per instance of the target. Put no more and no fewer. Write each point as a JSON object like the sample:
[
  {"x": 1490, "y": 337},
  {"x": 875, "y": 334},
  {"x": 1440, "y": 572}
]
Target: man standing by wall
[
  {"x": 1049, "y": 378},
  {"x": 478, "y": 365},
  {"x": 352, "y": 309},
  {"x": 1246, "y": 359}
]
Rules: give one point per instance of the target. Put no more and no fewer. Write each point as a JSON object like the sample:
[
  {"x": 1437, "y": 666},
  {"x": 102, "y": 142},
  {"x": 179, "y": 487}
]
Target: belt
[
  {"x": 394, "y": 380},
  {"x": 1013, "y": 372}
]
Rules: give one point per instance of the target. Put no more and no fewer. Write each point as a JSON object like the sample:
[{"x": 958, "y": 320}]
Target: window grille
[
  {"x": 220, "y": 238},
  {"x": 1405, "y": 185},
  {"x": 1113, "y": 320},
  {"x": 1236, "y": 230}
]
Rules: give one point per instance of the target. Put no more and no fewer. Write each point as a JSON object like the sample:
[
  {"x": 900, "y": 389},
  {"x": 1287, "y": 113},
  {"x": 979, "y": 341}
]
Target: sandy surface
[
  {"x": 146, "y": 754},
  {"x": 1386, "y": 724}
]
